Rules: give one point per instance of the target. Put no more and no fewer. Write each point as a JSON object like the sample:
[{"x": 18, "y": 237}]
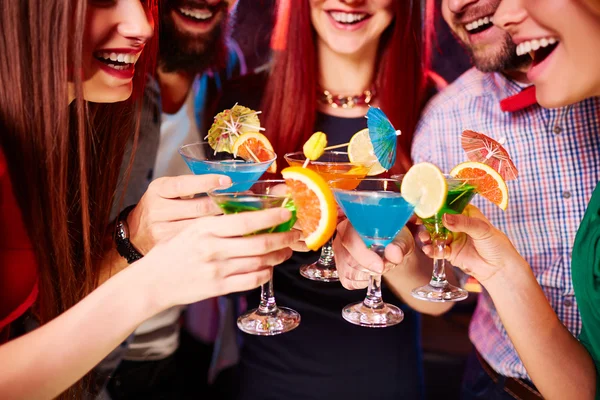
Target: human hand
[
  {"x": 477, "y": 247},
  {"x": 355, "y": 262},
  {"x": 213, "y": 256},
  {"x": 168, "y": 207}
]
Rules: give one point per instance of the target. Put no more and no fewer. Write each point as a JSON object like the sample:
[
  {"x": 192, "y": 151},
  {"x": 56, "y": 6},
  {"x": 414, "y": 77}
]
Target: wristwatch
[{"x": 122, "y": 242}]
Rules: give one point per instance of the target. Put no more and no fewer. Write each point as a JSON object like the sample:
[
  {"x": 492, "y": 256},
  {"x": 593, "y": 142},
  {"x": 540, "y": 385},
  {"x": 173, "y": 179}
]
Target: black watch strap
[{"x": 122, "y": 242}]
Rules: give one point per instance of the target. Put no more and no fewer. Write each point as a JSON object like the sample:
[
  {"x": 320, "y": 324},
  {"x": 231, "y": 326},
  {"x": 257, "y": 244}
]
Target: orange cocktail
[{"x": 331, "y": 165}]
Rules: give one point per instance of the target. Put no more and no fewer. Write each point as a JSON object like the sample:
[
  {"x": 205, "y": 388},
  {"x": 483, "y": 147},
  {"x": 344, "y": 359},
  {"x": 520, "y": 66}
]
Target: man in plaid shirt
[{"x": 557, "y": 154}]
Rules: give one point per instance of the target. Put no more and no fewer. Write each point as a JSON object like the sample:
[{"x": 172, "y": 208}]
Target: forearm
[
  {"x": 111, "y": 262},
  {"x": 415, "y": 272},
  {"x": 558, "y": 364},
  {"x": 45, "y": 362}
]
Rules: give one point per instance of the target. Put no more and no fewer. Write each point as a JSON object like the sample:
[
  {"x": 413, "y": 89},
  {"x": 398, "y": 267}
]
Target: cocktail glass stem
[
  {"x": 323, "y": 269},
  {"x": 267, "y": 297},
  {"x": 372, "y": 312},
  {"x": 439, "y": 263},
  {"x": 373, "y": 298},
  {"x": 439, "y": 289}
]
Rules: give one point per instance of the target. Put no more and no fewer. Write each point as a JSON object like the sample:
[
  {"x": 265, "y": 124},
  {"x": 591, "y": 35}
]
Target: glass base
[
  {"x": 268, "y": 324},
  {"x": 440, "y": 294},
  {"x": 360, "y": 314},
  {"x": 319, "y": 272}
]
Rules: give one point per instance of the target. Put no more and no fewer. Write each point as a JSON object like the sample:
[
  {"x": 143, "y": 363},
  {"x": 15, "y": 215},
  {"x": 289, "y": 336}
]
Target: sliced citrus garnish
[
  {"x": 316, "y": 208},
  {"x": 486, "y": 180},
  {"x": 425, "y": 186},
  {"x": 361, "y": 152},
  {"x": 315, "y": 146},
  {"x": 254, "y": 146},
  {"x": 229, "y": 124}
]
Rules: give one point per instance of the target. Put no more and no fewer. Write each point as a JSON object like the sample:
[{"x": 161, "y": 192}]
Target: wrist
[
  {"x": 123, "y": 237},
  {"x": 514, "y": 273},
  {"x": 145, "y": 287}
]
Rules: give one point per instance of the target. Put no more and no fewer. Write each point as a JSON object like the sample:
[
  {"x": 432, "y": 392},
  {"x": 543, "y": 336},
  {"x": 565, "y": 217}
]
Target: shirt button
[
  {"x": 568, "y": 303},
  {"x": 566, "y": 195},
  {"x": 557, "y": 129}
]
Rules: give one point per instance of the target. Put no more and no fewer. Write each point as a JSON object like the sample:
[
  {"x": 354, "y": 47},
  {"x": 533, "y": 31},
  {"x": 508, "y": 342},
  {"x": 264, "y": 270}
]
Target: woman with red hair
[{"x": 362, "y": 53}]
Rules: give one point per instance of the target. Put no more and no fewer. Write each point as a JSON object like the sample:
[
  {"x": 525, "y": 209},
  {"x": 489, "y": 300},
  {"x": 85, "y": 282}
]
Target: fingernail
[
  {"x": 224, "y": 180},
  {"x": 450, "y": 219}
]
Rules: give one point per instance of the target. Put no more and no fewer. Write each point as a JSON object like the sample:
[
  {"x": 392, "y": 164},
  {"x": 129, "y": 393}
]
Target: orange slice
[
  {"x": 316, "y": 208},
  {"x": 488, "y": 182},
  {"x": 254, "y": 146}
]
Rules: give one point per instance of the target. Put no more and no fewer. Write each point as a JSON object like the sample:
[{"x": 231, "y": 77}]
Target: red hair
[{"x": 290, "y": 102}]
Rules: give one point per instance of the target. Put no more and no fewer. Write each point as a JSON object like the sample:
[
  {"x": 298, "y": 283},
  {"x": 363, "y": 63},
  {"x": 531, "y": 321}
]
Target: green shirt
[{"x": 586, "y": 280}]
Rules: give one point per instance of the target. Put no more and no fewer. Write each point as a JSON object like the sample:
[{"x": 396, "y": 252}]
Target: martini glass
[
  {"x": 331, "y": 165},
  {"x": 202, "y": 159},
  {"x": 268, "y": 319},
  {"x": 439, "y": 289},
  {"x": 377, "y": 210}
]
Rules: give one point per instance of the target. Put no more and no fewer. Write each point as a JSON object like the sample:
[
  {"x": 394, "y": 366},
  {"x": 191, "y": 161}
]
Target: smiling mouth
[
  {"x": 117, "y": 61},
  {"x": 538, "y": 49},
  {"x": 346, "y": 18},
  {"x": 479, "y": 25},
  {"x": 196, "y": 14}
]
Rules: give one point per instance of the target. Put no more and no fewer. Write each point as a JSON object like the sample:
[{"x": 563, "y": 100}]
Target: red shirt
[{"x": 18, "y": 269}]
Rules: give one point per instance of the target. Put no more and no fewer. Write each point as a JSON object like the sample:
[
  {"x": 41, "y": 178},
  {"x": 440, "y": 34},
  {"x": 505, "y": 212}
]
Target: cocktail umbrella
[
  {"x": 483, "y": 149},
  {"x": 229, "y": 125},
  {"x": 383, "y": 137}
]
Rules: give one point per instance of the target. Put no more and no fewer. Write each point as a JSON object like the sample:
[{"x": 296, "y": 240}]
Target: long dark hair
[
  {"x": 63, "y": 159},
  {"x": 290, "y": 102}
]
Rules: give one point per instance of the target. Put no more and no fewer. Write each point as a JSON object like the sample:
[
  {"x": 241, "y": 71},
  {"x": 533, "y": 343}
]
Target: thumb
[{"x": 476, "y": 228}]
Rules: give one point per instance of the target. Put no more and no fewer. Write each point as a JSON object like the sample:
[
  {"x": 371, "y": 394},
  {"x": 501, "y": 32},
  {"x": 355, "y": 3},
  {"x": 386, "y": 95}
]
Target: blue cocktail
[
  {"x": 202, "y": 159},
  {"x": 378, "y": 212}
]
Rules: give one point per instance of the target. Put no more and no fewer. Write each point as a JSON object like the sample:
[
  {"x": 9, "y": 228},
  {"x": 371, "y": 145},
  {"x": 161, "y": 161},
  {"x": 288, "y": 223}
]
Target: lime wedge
[
  {"x": 361, "y": 152},
  {"x": 424, "y": 186}
]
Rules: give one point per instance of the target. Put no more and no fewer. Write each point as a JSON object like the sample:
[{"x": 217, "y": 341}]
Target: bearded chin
[{"x": 193, "y": 54}]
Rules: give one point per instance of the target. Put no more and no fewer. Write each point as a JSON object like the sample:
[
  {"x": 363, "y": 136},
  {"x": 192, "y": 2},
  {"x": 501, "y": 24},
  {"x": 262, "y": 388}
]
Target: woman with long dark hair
[
  {"x": 374, "y": 52},
  {"x": 60, "y": 154}
]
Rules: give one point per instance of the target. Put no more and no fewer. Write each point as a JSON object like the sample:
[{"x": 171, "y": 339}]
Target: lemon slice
[
  {"x": 361, "y": 152},
  {"x": 424, "y": 185}
]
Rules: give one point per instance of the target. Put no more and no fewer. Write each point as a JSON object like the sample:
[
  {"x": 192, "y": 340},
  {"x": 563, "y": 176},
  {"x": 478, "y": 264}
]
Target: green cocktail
[
  {"x": 246, "y": 203},
  {"x": 459, "y": 196},
  {"x": 268, "y": 319}
]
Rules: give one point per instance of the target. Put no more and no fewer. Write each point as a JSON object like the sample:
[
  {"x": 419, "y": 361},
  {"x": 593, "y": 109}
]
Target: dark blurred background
[{"x": 445, "y": 339}]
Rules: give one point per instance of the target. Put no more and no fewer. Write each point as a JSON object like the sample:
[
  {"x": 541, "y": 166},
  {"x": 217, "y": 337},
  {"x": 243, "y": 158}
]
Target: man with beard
[
  {"x": 196, "y": 55},
  {"x": 556, "y": 152}
]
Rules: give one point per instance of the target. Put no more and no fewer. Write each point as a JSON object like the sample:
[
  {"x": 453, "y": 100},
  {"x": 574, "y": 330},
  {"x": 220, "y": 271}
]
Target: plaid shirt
[{"x": 557, "y": 154}]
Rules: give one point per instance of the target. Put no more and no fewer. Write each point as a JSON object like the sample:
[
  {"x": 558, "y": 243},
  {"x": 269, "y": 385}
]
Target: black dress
[{"x": 325, "y": 357}]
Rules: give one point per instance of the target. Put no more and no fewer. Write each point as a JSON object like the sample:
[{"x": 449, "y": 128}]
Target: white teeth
[
  {"x": 120, "y": 57},
  {"x": 534, "y": 45},
  {"x": 201, "y": 14},
  {"x": 347, "y": 18},
  {"x": 479, "y": 22}
]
